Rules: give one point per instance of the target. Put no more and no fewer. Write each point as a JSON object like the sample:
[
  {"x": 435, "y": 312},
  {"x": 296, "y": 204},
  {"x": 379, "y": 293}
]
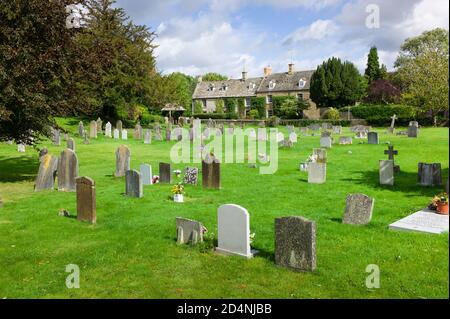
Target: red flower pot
[{"x": 442, "y": 208}]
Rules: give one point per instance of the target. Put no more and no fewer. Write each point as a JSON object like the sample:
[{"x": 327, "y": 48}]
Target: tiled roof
[{"x": 286, "y": 82}]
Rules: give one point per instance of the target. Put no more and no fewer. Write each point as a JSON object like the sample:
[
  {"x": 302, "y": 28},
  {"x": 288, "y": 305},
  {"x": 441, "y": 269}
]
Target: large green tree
[
  {"x": 36, "y": 54},
  {"x": 423, "y": 66},
  {"x": 180, "y": 88},
  {"x": 212, "y": 76},
  {"x": 373, "y": 70},
  {"x": 336, "y": 84}
]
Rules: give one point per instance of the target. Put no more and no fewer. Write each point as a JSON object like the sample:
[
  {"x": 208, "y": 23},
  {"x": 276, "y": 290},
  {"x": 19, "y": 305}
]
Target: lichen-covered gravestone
[
  {"x": 320, "y": 154},
  {"x": 189, "y": 231},
  {"x": 211, "y": 173},
  {"x": 165, "y": 173},
  {"x": 358, "y": 209},
  {"x": 119, "y": 126},
  {"x": 326, "y": 141},
  {"x": 67, "y": 171},
  {"x": 317, "y": 173},
  {"x": 93, "y": 129},
  {"x": 233, "y": 231},
  {"x": 295, "y": 243},
  {"x": 386, "y": 172},
  {"x": 71, "y": 144},
  {"x": 122, "y": 161},
  {"x": 146, "y": 174},
  {"x": 86, "y": 200},
  {"x": 148, "y": 137},
  {"x": 47, "y": 172},
  {"x": 56, "y": 136},
  {"x": 137, "y": 132},
  {"x": 413, "y": 129},
  {"x": 345, "y": 140},
  {"x": 133, "y": 184},
  {"x": 99, "y": 125},
  {"x": 42, "y": 153},
  {"x": 191, "y": 175},
  {"x": 80, "y": 129},
  {"x": 429, "y": 174}
]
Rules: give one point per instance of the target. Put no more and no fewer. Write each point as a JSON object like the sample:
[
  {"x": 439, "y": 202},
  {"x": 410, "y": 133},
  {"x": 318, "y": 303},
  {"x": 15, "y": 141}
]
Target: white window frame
[{"x": 269, "y": 99}]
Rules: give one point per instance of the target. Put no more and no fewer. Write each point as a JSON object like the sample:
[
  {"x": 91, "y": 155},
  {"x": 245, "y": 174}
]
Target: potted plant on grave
[
  {"x": 440, "y": 203},
  {"x": 178, "y": 190}
]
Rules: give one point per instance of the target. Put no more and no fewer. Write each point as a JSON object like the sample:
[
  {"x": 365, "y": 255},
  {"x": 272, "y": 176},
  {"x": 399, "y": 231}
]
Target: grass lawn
[{"x": 132, "y": 253}]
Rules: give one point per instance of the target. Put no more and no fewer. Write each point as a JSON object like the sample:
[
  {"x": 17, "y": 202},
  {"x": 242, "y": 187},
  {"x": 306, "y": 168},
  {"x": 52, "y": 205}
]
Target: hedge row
[
  {"x": 216, "y": 116},
  {"x": 380, "y": 115}
]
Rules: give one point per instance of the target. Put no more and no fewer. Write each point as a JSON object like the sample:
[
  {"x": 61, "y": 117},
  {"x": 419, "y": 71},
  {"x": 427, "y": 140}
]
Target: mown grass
[{"x": 132, "y": 253}]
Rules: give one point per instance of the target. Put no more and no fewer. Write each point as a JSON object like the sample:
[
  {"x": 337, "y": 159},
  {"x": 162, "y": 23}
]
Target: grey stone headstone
[
  {"x": 165, "y": 173},
  {"x": 71, "y": 144},
  {"x": 429, "y": 174},
  {"x": 86, "y": 200},
  {"x": 67, "y": 171},
  {"x": 137, "y": 132},
  {"x": 42, "y": 153},
  {"x": 108, "y": 130},
  {"x": 133, "y": 184},
  {"x": 386, "y": 172},
  {"x": 93, "y": 129},
  {"x": 317, "y": 173},
  {"x": 189, "y": 231},
  {"x": 358, "y": 209},
  {"x": 372, "y": 138},
  {"x": 426, "y": 221},
  {"x": 146, "y": 174},
  {"x": 119, "y": 126},
  {"x": 99, "y": 125},
  {"x": 148, "y": 137},
  {"x": 337, "y": 129},
  {"x": 116, "y": 134},
  {"x": 123, "y": 156},
  {"x": 191, "y": 175},
  {"x": 345, "y": 140},
  {"x": 326, "y": 141},
  {"x": 56, "y": 136},
  {"x": 211, "y": 173},
  {"x": 321, "y": 155},
  {"x": 124, "y": 135},
  {"x": 413, "y": 129},
  {"x": 80, "y": 128},
  {"x": 21, "y": 148},
  {"x": 295, "y": 243},
  {"x": 47, "y": 173}
]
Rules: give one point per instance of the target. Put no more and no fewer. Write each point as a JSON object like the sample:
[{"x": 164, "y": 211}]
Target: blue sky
[{"x": 199, "y": 36}]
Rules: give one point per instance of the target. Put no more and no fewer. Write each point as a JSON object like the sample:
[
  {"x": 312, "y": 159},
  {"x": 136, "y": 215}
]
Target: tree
[
  {"x": 220, "y": 106},
  {"x": 35, "y": 67},
  {"x": 373, "y": 71},
  {"x": 336, "y": 84},
  {"x": 179, "y": 89},
  {"x": 383, "y": 91},
  {"x": 384, "y": 72},
  {"x": 198, "y": 107},
  {"x": 423, "y": 69},
  {"x": 214, "y": 77}
]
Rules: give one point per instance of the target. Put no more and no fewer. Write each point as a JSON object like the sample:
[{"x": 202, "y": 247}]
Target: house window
[
  {"x": 272, "y": 85},
  {"x": 211, "y": 87},
  {"x": 269, "y": 99},
  {"x": 224, "y": 87},
  {"x": 300, "y": 96},
  {"x": 251, "y": 86},
  {"x": 248, "y": 102},
  {"x": 204, "y": 103},
  {"x": 301, "y": 83}
]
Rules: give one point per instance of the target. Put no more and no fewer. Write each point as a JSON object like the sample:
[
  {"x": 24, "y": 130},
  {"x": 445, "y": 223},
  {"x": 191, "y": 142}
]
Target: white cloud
[{"x": 318, "y": 30}]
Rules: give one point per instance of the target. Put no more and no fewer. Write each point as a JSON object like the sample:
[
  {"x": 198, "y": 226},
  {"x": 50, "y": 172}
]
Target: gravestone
[
  {"x": 66, "y": 136},
  {"x": 429, "y": 174},
  {"x": 211, "y": 173},
  {"x": 326, "y": 141},
  {"x": 108, "y": 128},
  {"x": 290, "y": 128},
  {"x": 42, "y": 153},
  {"x": 317, "y": 173},
  {"x": 345, "y": 140},
  {"x": 93, "y": 129},
  {"x": 85, "y": 140},
  {"x": 124, "y": 135},
  {"x": 189, "y": 231},
  {"x": 191, "y": 175},
  {"x": 295, "y": 243},
  {"x": 426, "y": 221},
  {"x": 337, "y": 129},
  {"x": 386, "y": 172},
  {"x": 165, "y": 173},
  {"x": 56, "y": 136},
  {"x": 86, "y": 200},
  {"x": 293, "y": 137},
  {"x": 146, "y": 174},
  {"x": 119, "y": 126},
  {"x": 390, "y": 152},
  {"x": 47, "y": 172},
  {"x": 320, "y": 155},
  {"x": 361, "y": 135},
  {"x": 123, "y": 156},
  {"x": 133, "y": 184},
  {"x": 71, "y": 144},
  {"x": 80, "y": 128},
  {"x": 372, "y": 138},
  {"x": 99, "y": 125},
  {"x": 21, "y": 148},
  {"x": 67, "y": 171},
  {"x": 413, "y": 129},
  {"x": 391, "y": 129},
  {"x": 116, "y": 134},
  {"x": 137, "y": 131},
  {"x": 168, "y": 135},
  {"x": 233, "y": 231},
  {"x": 148, "y": 137},
  {"x": 358, "y": 209}
]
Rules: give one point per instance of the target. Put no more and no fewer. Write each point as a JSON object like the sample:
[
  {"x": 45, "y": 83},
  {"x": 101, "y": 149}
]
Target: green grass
[{"x": 132, "y": 253}]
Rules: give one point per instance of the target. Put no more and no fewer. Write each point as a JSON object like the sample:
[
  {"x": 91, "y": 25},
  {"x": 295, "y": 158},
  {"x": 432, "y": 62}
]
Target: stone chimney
[
  {"x": 244, "y": 75},
  {"x": 199, "y": 79},
  {"x": 291, "y": 68},
  {"x": 267, "y": 71}
]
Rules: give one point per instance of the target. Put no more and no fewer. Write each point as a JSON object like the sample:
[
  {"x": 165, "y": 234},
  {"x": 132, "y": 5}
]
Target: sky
[{"x": 224, "y": 36}]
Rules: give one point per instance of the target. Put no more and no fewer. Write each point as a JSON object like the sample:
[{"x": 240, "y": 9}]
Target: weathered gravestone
[
  {"x": 124, "y": 135},
  {"x": 137, "y": 131},
  {"x": 168, "y": 134},
  {"x": 429, "y": 174},
  {"x": 85, "y": 140},
  {"x": 426, "y": 221},
  {"x": 21, "y": 148},
  {"x": 116, "y": 134},
  {"x": 67, "y": 171},
  {"x": 391, "y": 129},
  {"x": 71, "y": 144},
  {"x": 93, "y": 129},
  {"x": 123, "y": 156},
  {"x": 148, "y": 137},
  {"x": 320, "y": 155},
  {"x": 358, "y": 209},
  {"x": 56, "y": 136},
  {"x": 108, "y": 129},
  {"x": 390, "y": 152},
  {"x": 80, "y": 128},
  {"x": 413, "y": 129},
  {"x": 290, "y": 129},
  {"x": 133, "y": 184},
  {"x": 189, "y": 231},
  {"x": 233, "y": 231},
  {"x": 293, "y": 137},
  {"x": 317, "y": 173},
  {"x": 345, "y": 140},
  {"x": 119, "y": 126},
  {"x": 165, "y": 173},
  {"x": 372, "y": 138},
  {"x": 295, "y": 243},
  {"x": 211, "y": 172},
  {"x": 337, "y": 129},
  {"x": 191, "y": 175},
  {"x": 146, "y": 174},
  {"x": 86, "y": 200},
  {"x": 99, "y": 125},
  {"x": 47, "y": 172},
  {"x": 42, "y": 153},
  {"x": 386, "y": 172},
  {"x": 158, "y": 136},
  {"x": 326, "y": 141}
]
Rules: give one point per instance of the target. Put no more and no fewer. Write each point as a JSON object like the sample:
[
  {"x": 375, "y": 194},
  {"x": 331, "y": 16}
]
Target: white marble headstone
[
  {"x": 146, "y": 174},
  {"x": 426, "y": 221},
  {"x": 21, "y": 148},
  {"x": 108, "y": 129},
  {"x": 116, "y": 134},
  {"x": 124, "y": 135}
]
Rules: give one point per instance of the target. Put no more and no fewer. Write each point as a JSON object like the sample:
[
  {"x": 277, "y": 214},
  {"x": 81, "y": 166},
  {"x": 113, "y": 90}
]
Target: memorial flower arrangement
[
  {"x": 177, "y": 173},
  {"x": 178, "y": 189},
  {"x": 440, "y": 203},
  {"x": 155, "y": 179}
]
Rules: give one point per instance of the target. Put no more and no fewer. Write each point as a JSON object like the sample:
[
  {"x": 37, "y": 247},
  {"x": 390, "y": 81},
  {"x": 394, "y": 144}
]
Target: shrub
[
  {"x": 333, "y": 114},
  {"x": 215, "y": 116},
  {"x": 198, "y": 107},
  {"x": 380, "y": 115},
  {"x": 219, "y": 106},
  {"x": 253, "y": 114},
  {"x": 383, "y": 91},
  {"x": 273, "y": 121},
  {"x": 241, "y": 108},
  {"x": 258, "y": 104}
]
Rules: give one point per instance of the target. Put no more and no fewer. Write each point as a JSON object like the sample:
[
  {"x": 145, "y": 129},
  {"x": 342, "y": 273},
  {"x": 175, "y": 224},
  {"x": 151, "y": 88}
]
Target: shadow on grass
[
  {"x": 17, "y": 169},
  {"x": 265, "y": 254},
  {"x": 405, "y": 182}
]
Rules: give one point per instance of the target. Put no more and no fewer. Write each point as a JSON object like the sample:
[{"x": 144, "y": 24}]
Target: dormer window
[
  {"x": 224, "y": 87},
  {"x": 272, "y": 85},
  {"x": 211, "y": 88},
  {"x": 251, "y": 86},
  {"x": 301, "y": 83}
]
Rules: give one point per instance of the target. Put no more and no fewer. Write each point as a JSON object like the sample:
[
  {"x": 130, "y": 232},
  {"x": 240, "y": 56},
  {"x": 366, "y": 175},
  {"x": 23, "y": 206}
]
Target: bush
[
  {"x": 333, "y": 114},
  {"x": 215, "y": 116},
  {"x": 198, "y": 107},
  {"x": 273, "y": 121},
  {"x": 241, "y": 108},
  {"x": 308, "y": 122},
  {"x": 380, "y": 115},
  {"x": 258, "y": 104},
  {"x": 253, "y": 114},
  {"x": 219, "y": 106}
]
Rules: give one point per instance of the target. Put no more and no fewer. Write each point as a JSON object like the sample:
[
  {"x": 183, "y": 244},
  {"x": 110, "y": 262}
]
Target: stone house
[{"x": 290, "y": 83}]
